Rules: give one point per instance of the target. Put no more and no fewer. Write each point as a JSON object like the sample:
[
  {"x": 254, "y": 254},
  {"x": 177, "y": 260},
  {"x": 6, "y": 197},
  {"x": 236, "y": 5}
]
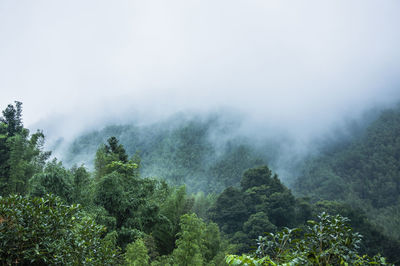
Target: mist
[{"x": 297, "y": 68}]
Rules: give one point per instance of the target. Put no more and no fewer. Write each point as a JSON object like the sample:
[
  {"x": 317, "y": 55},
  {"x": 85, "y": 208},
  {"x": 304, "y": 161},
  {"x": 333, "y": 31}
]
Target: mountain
[
  {"x": 359, "y": 166},
  {"x": 363, "y": 172},
  {"x": 204, "y": 152}
]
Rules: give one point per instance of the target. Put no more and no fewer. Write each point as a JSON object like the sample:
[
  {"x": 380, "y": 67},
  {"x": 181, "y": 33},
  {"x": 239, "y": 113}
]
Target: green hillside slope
[
  {"x": 203, "y": 153},
  {"x": 364, "y": 173}
]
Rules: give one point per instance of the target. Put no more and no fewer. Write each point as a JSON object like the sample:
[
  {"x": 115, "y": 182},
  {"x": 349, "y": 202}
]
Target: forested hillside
[
  {"x": 116, "y": 215},
  {"x": 364, "y": 173},
  {"x": 205, "y": 153}
]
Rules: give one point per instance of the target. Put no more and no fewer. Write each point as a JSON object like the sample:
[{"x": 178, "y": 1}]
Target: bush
[
  {"x": 330, "y": 241},
  {"x": 37, "y": 231}
]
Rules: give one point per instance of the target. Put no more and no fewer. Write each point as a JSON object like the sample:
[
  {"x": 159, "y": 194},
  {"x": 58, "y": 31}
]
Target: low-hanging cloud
[{"x": 295, "y": 65}]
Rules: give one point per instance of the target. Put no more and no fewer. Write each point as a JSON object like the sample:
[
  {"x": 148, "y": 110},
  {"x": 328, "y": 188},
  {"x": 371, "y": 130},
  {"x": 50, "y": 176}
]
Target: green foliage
[
  {"x": 363, "y": 172},
  {"x": 228, "y": 169},
  {"x": 258, "y": 224},
  {"x": 111, "y": 195},
  {"x": 181, "y": 151},
  {"x": 54, "y": 179},
  {"x": 374, "y": 241},
  {"x": 281, "y": 207},
  {"x": 132, "y": 202},
  {"x": 116, "y": 150},
  {"x": 112, "y": 157},
  {"x": 202, "y": 204},
  {"x": 100, "y": 162},
  {"x": 81, "y": 183},
  {"x": 197, "y": 243},
  {"x": 174, "y": 206},
  {"x": 263, "y": 203},
  {"x": 189, "y": 244},
  {"x": 230, "y": 210},
  {"x": 129, "y": 204},
  {"x": 151, "y": 246},
  {"x": 246, "y": 260},
  {"x": 330, "y": 241},
  {"x": 212, "y": 242},
  {"x": 21, "y": 155},
  {"x": 256, "y": 177},
  {"x": 151, "y": 221},
  {"x": 127, "y": 169},
  {"x": 136, "y": 254},
  {"x": 163, "y": 261},
  {"x": 303, "y": 210},
  {"x": 265, "y": 193},
  {"x": 39, "y": 231},
  {"x": 12, "y": 119}
]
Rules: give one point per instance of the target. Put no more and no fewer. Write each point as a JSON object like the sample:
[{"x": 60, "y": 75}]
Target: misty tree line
[
  {"x": 50, "y": 214},
  {"x": 365, "y": 173}
]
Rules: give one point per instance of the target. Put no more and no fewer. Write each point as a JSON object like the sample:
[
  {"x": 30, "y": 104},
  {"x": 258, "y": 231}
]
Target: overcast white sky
[{"x": 297, "y": 62}]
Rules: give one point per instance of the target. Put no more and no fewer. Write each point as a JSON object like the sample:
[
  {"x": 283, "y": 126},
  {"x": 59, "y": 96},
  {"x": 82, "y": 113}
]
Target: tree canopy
[{"x": 52, "y": 213}]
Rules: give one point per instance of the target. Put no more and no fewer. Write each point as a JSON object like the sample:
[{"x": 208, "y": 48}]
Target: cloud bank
[{"x": 295, "y": 65}]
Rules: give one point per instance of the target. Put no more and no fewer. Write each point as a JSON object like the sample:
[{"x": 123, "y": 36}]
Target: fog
[{"x": 297, "y": 67}]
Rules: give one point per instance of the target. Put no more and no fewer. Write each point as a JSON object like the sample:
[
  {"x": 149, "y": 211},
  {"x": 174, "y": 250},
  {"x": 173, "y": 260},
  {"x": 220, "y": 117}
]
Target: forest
[{"x": 185, "y": 192}]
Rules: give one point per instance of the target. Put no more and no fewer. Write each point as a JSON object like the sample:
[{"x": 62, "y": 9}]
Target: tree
[
  {"x": 45, "y": 231},
  {"x": 230, "y": 211},
  {"x": 329, "y": 241},
  {"x": 360, "y": 169},
  {"x": 189, "y": 243},
  {"x": 171, "y": 210},
  {"x": 265, "y": 193},
  {"x": 116, "y": 149},
  {"x": 257, "y": 225},
  {"x": 212, "y": 241},
  {"x": 281, "y": 210},
  {"x": 21, "y": 155},
  {"x": 132, "y": 202},
  {"x": 374, "y": 240},
  {"x": 55, "y": 179},
  {"x": 100, "y": 162},
  {"x": 12, "y": 118},
  {"x": 81, "y": 185},
  {"x": 259, "y": 176},
  {"x": 228, "y": 169},
  {"x": 202, "y": 203},
  {"x": 110, "y": 194},
  {"x": 136, "y": 254},
  {"x": 112, "y": 157}
]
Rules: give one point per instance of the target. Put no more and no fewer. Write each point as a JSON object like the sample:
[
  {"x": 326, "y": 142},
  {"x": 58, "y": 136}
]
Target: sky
[{"x": 296, "y": 65}]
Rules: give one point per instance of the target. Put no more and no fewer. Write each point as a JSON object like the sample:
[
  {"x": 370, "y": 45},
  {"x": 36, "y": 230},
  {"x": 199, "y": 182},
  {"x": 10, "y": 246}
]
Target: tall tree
[
  {"x": 81, "y": 182},
  {"x": 136, "y": 254},
  {"x": 21, "y": 154},
  {"x": 54, "y": 179},
  {"x": 230, "y": 210},
  {"x": 12, "y": 118},
  {"x": 113, "y": 147},
  {"x": 189, "y": 245},
  {"x": 112, "y": 157},
  {"x": 175, "y": 205}
]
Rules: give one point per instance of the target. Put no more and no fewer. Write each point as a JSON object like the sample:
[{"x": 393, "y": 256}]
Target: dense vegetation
[
  {"x": 330, "y": 241},
  {"x": 364, "y": 173},
  {"x": 114, "y": 214},
  {"x": 200, "y": 152},
  {"x": 38, "y": 231}
]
